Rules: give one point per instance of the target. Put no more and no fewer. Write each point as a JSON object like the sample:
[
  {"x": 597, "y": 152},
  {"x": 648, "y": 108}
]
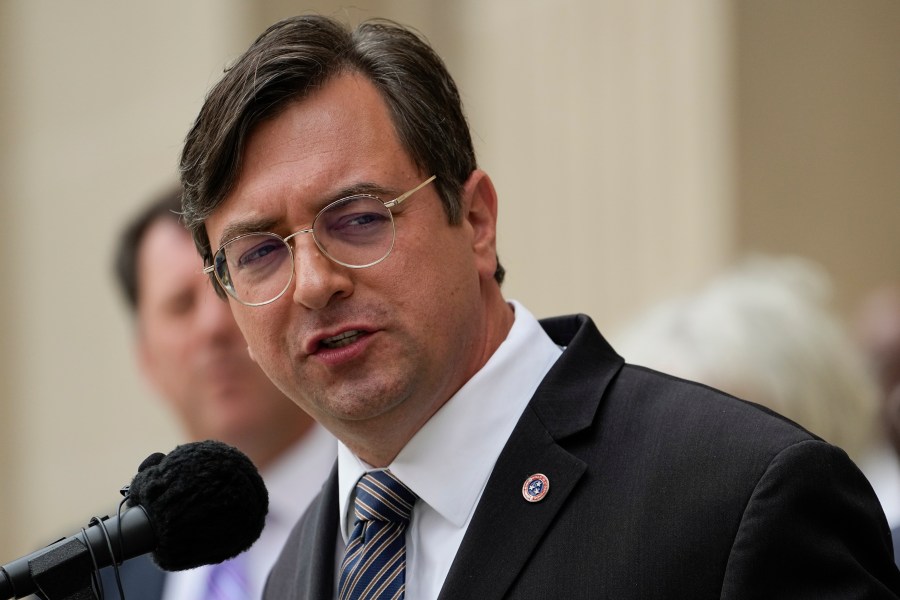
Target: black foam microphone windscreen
[{"x": 206, "y": 502}]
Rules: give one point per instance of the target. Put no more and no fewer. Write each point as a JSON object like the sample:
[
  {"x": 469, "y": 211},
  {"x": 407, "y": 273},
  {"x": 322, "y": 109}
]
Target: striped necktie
[{"x": 374, "y": 567}]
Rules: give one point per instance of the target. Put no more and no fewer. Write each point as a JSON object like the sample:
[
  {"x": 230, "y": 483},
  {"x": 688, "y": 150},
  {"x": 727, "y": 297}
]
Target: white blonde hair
[{"x": 763, "y": 331}]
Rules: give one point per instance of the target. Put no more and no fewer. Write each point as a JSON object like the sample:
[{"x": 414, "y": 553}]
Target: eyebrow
[
  {"x": 365, "y": 187},
  {"x": 240, "y": 228},
  {"x": 244, "y": 227}
]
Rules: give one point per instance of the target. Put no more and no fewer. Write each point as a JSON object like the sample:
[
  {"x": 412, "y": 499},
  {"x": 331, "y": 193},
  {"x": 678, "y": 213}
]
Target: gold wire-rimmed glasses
[{"x": 356, "y": 232}]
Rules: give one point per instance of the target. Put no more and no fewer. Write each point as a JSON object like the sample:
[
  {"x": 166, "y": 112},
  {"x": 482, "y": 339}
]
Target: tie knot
[{"x": 382, "y": 497}]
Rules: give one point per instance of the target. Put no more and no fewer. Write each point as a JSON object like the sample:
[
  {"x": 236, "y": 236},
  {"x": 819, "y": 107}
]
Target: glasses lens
[
  {"x": 356, "y": 232},
  {"x": 255, "y": 268}
]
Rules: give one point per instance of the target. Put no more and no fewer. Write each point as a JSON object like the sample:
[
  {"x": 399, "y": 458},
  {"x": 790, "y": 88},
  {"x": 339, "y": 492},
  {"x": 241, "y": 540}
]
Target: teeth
[{"x": 341, "y": 340}]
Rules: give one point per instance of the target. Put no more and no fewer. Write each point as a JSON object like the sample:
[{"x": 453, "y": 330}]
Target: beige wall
[
  {"x": 7, "y": 388},
  {"x": 818, "y": 107},
  {"x": 97, "y": 98},
  {"x": 608, "y": 126}
]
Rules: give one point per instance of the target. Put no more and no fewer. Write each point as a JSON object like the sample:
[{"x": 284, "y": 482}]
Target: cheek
[
  {"x": 249, "y": 320},
  {"x": 166, "y": 350},
  {"x": 263, "y": 331},
  {"x": 452, "y": 274},
  {"x": 437, "y": 256},
  {"x": 169, "y": 369},
  {"x": 439, "y": 286},
  {"x": 412, "y": 284}
]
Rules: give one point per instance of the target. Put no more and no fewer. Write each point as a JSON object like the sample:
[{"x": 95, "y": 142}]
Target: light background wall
[
  {"x": 638, "y": 146},
  {"x": 817, "y": 91}
]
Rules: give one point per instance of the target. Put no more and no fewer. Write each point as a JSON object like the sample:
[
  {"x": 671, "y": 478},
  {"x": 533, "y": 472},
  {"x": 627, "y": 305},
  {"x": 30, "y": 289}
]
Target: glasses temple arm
[{"x": 396, "y": 201}]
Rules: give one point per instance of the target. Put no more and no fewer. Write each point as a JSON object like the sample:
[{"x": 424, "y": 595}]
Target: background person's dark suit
[
  {"x": 659, "y": 488},
  {"x": 895, "y": 534},
  {"x": 141, "y": 579}
]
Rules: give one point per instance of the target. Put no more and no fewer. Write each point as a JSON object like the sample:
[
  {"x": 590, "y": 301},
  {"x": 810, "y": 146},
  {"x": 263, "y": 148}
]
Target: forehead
[
  {"x": 338, "y": 136},
  {"x": 167, "y": 260}
]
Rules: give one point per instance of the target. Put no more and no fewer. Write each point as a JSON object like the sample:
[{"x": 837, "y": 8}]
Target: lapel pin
[{"x": 535, "y": 487}]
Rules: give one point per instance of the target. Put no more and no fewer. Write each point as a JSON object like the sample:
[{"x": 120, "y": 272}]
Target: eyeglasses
[{"x": 356, "y": 232}]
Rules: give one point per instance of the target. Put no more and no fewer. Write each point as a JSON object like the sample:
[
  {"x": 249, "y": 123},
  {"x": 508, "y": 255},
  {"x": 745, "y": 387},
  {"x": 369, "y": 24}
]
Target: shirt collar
[
  {"x": 448, "y": 461},
  {"x": 289, "y": 495}
]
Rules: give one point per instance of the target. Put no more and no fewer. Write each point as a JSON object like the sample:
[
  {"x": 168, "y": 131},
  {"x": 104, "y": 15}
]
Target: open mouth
[{"x": 344, "y": 339}]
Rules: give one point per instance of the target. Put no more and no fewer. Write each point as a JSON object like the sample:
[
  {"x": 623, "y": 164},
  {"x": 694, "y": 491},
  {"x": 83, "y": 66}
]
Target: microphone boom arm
[{"x": 62, "y": 570}]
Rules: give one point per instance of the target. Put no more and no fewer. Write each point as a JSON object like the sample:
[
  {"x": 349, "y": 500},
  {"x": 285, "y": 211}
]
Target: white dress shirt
[
  {"x": 449, "y": 460},
  {"x": 292, "y": 482}
]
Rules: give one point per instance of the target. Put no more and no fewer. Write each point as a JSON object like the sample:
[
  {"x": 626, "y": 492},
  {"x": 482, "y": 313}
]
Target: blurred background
[{"x": 638, "y": 148}]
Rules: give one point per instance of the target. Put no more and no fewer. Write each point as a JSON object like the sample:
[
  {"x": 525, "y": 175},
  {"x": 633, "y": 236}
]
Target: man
[
  {"x": 191, "y": 351},
  {"x": 332, "y": 189}
]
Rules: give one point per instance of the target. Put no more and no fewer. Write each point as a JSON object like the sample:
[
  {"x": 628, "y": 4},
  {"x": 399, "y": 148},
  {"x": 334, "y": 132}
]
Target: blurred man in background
[{"x": 192, "y": 353}]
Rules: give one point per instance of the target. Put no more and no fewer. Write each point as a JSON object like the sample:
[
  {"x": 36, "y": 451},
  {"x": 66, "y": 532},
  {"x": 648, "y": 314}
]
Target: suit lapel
[
  {"x": 316, "y": 558},
  {"x": 506, "y": 529}
]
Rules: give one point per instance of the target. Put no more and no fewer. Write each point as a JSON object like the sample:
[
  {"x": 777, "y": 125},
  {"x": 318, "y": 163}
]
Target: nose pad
[{"x": 318, "y": 280}]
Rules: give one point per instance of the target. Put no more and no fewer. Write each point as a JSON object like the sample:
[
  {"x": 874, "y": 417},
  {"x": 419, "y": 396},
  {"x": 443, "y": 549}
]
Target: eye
[
  {"x": 360, "y": 219},
  {"x": 180, "y": 304},
  {"x": 357, "y": 223},
  {"x": 356, "y": 220},
  {"x": 256, "y": 252}
]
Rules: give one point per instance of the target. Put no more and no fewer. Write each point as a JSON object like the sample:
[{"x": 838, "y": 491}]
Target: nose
[{"x": 318, "y": 281}]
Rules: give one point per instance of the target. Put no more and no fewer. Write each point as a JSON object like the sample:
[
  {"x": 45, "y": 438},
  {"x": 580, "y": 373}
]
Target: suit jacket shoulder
[
  {"x": 663, "y": 488},
  {"x": 658, "y": 488}
]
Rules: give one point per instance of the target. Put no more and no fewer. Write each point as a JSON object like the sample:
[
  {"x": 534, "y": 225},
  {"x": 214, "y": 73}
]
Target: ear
[{"x": 480, "y": 213}]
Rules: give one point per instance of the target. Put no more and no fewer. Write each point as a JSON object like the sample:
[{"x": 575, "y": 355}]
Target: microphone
[{"x": 201, "y": 504}]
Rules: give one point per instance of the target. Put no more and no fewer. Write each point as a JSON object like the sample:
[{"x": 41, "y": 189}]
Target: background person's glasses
[{"x": 357, "y": 231}]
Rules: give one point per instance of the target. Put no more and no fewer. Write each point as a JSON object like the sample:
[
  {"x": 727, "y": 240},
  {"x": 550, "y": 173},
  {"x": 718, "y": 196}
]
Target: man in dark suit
[{"x": 332, "y": 189}]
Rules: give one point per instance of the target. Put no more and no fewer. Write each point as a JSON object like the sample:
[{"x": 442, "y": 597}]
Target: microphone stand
[{"x": 62, "y": 571}]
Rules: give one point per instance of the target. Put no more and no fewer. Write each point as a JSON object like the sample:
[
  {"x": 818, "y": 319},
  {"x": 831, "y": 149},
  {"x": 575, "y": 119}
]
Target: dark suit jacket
[
  {"x": 659, "y": 488},
  {"x": 141, "y": 580}
]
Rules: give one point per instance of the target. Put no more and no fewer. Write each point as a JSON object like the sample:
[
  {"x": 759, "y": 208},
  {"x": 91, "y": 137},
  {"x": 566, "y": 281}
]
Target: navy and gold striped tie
[{"x": 374, "y": 567}]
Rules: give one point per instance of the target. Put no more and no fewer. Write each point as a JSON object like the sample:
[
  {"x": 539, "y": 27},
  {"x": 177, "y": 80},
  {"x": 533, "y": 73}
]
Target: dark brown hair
[
  {"x": 297, "y": 55},
  {"x": 165, "y": 206}
]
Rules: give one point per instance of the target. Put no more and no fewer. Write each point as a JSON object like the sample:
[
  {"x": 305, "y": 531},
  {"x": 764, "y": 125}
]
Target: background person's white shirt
[{"x": 292, "y": 482}]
